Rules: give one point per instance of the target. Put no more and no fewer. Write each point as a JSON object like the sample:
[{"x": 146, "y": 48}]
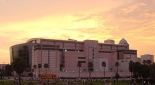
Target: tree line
[
  {"x": 142, "y": 71},
  {"x": 19, "y": 65}
]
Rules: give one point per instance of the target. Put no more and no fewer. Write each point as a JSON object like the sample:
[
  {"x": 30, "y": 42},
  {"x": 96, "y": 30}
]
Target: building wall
[
  {"x": 63, "y": 55},
  {"x": 147, "y": 57},
  {"x": 69, "y": 53}
]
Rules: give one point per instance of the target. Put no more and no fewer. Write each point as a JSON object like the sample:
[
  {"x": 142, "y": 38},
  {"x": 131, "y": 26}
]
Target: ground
[{"x": 9, "y": 82}]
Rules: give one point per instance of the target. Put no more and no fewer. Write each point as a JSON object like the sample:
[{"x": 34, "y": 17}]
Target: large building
[
  {"x": 23, "y": 50},
  {"x": 147, "y": 57},
  {"x": 63, "y": 55}
]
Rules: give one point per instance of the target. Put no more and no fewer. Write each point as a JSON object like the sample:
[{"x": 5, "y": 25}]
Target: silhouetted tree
[
  {"x": 152, "y": 71},
  {"x": 46, "y": 66},
  {"x": 117, "y": 64},
  {"x": 90, "y": 66},
  {"x": 131, "y": 63},
  {"x": 79, "y": 65},
  {"x": 104, "y": 65},
  {"x": 39, "y": 66},
  {"x": 8, "y": 69},
  {"x": 35, "y": 67},
  {"x": 19, "y": 66}
]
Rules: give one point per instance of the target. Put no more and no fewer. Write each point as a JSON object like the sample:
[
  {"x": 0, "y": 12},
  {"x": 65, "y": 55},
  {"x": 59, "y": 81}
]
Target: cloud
[
  {"x": 132, "y": 8},
  {"x": 2, "y": 0},
  {"x": 132, "y": 19},
  {"x": 129, "y": 20}
]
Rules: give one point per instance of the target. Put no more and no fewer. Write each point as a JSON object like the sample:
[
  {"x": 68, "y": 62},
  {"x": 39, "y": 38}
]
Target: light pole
[
  {"x": 62, "y": 73},
  {"x": 100, "y": 74},
  {"x": 96, "y": 73},
  {"x": 76, "y": 75},
  {"x": 67, "y": 75},
  {"x": 70, "y": 75},
  {"x": 58, "y": 75},
  {"x": 73, "y": 75}
]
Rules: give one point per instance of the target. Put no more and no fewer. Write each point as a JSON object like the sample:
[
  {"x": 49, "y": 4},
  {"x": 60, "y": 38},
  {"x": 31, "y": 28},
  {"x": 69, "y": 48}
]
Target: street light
[
  {"x": 96, "y": 73},
  {"x": 100, "y": 74},
  {"x": 67, "y": 75},
  {"x": 73, "y": 75},
  {"x": 80, "y": 76}
]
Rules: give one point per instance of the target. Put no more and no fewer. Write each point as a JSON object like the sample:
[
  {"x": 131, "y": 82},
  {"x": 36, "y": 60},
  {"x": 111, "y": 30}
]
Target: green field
[{"x": 63, "y": 82}]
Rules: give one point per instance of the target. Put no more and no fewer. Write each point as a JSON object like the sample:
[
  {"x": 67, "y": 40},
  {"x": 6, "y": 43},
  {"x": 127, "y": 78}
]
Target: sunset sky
[{"x": 99, "y": 20}]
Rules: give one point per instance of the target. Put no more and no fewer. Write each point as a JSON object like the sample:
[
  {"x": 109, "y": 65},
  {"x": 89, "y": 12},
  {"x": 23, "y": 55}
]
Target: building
[
  {"x": 23, "y": 50},
  {"x": 63, "y": 55},
  {"x": 146, "y": 57},
  {"x": 2, "y": 66}
]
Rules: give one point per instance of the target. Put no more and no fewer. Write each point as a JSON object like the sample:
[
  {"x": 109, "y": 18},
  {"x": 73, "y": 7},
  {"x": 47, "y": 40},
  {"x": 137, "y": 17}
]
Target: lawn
[{"x": 62, "y": 82}]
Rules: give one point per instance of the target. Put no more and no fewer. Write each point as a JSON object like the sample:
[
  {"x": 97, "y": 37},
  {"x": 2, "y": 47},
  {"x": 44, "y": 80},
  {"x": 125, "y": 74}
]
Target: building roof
[{"x": 123, "y": 42}]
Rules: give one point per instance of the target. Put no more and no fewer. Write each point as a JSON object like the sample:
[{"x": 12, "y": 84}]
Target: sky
[{"x": 99, "y": 20}]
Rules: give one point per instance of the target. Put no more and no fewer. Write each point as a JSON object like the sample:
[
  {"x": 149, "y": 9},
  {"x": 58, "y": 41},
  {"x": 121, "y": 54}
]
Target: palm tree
[
  {"x": 34, "y": 66},
  {"x": 104, "y": 65},
  {"x": 79, "y": 65},
  {"x": 46, "y": 66},
  {"x": 39, "y": 66},
  {"x": 19, "y": 65},
  {"x": 131, "y": 63},
  {"x": 117, "y": 64},
  {"x": 90, "y": 65}
]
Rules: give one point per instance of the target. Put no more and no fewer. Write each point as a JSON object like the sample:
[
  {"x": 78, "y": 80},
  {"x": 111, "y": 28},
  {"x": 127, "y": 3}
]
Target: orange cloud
[
  {"x": 97, "y": 20},
  {"x": 131, "y": 8}
]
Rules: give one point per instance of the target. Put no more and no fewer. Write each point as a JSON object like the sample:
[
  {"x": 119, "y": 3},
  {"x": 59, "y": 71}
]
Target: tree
[
  {"x": 117, "y": 64},
  {"x": 144, "y": 62},
  {"x": 145, "y": 71},
  {"x": 39, "y": 66},
  {"x": 35, "y": 67},
  {"x": 8, "y": 69},
  {"x": 117, "y": 76},
  {"x": 148, "y": 62},
  {"x": 152, "y": 71},
  {"x": 90, "y": 65},
  {"x": 46, "y": 66},
  {"x": 19, "y": 66},
  {"x": 79, "y": 65},
  {"x": 131, "y": 63},
  {"x": 104, "y": 65},
  {"x": 1, "y": 73},
  {"x": 136, "y": 70}
]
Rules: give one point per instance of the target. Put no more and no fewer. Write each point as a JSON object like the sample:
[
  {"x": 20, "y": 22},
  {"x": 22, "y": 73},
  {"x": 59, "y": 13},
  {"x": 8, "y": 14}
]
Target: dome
[{"x": 123, "y": 42}]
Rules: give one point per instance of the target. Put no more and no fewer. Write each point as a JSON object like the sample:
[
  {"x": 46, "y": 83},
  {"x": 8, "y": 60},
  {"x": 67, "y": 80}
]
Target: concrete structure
[
  {"x": 147, "y": 57},
  {"x": 62, "y": 56}
]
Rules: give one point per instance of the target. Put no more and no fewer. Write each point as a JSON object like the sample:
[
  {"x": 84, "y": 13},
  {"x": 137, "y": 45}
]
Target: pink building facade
[{"x": 62, "y": 56}]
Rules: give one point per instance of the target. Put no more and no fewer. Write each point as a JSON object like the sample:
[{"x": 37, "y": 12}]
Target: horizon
[{"x": 133, "y": 20}]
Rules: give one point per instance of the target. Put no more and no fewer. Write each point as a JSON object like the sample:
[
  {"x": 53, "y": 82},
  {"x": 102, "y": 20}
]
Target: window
[
  {"x": 81, "y": 57},
  {"x": 82, "y": 61}
]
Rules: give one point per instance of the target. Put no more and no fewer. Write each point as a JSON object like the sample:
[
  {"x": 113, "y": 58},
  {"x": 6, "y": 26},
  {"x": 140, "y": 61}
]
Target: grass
[{"x": 8, "y": 82}]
